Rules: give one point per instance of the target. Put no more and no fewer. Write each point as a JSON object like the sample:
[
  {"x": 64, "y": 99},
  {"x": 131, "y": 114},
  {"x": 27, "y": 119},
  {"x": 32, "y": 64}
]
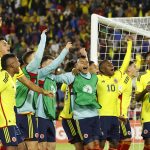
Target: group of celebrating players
[{"x": 95, "y": 105}]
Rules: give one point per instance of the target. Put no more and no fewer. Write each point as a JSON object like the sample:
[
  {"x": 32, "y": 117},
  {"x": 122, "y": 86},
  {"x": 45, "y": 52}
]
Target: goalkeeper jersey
[
  {"x": 107, "y": 87},
  {"x": 125, "y": 90},
  {"x": 141, "y": 83},
  {"x": 7, "y": 100}
]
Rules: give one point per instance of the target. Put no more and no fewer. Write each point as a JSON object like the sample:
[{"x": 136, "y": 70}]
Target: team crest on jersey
[
  {"x": 86, "y": 136},
  {"x": 36, "y": 135},
  {"x": 52, "y": 88},
  {"x": 41, "y": 136},
  {"x": 103, "y": 81},
  {"x": 14, "y": 139},
  {"x": 145, "y": 131},
  {"x": 115, "y": 80},
  {"x": 87, "y": 89},
  {"x": 129, "y": 132}
]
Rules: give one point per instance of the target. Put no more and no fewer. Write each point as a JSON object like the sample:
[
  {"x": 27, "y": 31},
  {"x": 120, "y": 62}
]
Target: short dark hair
[
  {"x": 45, "y": 58},
  {"x": 4, "y": 60},
  {"x": 131, "y": 62},
  {"x": 91, "y": 62},
  {"x": 101, "y": 63},
  {"x": 70, "y": 65},
  {"x": 26, "y": 55}
]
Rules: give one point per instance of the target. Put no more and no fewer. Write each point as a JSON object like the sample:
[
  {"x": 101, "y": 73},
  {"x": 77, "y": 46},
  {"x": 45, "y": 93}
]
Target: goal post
[{"x": 133, "y": 25}]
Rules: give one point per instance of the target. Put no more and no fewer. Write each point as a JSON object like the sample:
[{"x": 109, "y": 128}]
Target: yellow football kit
[
  {"x": 107, "y": 87},
  {"x": 66, "y": 112},
  {"x": 141, "y": 83},
  {"x": 125, "y": 90},
  {"x": 7, "y": 100}
]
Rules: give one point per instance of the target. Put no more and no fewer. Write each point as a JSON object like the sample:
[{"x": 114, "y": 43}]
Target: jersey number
[{"x": 111, "y": 88}]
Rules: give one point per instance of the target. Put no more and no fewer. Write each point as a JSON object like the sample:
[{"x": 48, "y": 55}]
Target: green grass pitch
[{"x": 70, "y": 147}]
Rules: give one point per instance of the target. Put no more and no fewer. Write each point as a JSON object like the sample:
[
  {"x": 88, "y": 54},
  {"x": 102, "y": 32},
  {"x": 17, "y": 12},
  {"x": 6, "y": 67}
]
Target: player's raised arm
[
  {"x": 55, "y": 63},
  {"x": 127, "y": 56},
  {"x": 35, "y": 63}
]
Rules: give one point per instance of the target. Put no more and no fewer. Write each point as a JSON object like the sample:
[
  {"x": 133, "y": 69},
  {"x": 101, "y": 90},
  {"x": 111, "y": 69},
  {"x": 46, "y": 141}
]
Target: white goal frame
[{"x": 113, "y": 22}]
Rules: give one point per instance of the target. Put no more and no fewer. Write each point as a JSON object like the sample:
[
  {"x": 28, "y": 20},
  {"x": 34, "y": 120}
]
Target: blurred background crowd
[{"x": 67, "y": 20}]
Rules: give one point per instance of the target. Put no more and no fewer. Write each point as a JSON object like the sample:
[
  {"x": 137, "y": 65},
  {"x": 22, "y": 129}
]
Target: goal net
[
  {"x": 108, "y": 37},
  {"x": 108, "y": 41}
]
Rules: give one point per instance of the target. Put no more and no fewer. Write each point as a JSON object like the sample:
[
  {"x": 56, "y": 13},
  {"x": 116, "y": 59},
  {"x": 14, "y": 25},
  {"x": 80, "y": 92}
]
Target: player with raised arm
[
  {"x": 143, "y": 95},
  {"x": 125, "y": 90},
  {"x": 45, "y": 107},
  {"x": 107, "y": 90}
]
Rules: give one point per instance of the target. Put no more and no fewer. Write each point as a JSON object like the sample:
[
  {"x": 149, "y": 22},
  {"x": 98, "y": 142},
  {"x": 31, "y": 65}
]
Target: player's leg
[
  {"x": 51, "y": 136},
  {"x": 90, "y": 133},
  {"x": 146, "y": 135},
  {"x": 42, "y": 129},
  {"x": 125, "y": 136},
  {"x": 114, "y": 134},
  {"x": 70, "y": 129},
  {"x": 9, "y": 137},
  {"x": 28, "y": 126},
  {"x": 104, "y": 126}
]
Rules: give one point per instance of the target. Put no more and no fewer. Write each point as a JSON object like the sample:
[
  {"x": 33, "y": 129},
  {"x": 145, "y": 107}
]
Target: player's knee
[
  {"x": 102, "y": 143},
  {"x": 147, "y": 141},
  {"x": 113, "y": 143}
]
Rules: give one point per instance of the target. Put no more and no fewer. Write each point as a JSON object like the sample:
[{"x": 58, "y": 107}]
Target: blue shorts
[
  {"x": 146, "y": 130},
  {"x": 88, "y": 129},
  {"x": 70, "y": 128},
  {"x": 10, "y": 136},
  {"x": 46, "y": 130},
  {"x": 125, "y": 130},
  {"x": 110, "y": 128},
  {"x": 28, "y": 126}
]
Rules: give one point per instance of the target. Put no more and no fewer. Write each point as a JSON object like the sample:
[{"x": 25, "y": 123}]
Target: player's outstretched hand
[
  {"x": 44, "y": 31},
  {"x": 129, "y": 38},
  {"x": 48, "y": 93},
  {"x": 75, "y": 71},
  {"x": 122, "y": 119},
  {"x": 69, "y": 45}
]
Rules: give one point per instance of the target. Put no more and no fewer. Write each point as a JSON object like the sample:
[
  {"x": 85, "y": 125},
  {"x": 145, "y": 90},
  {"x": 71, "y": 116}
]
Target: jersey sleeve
[
  {"x": 127, "y": 57},
  {"x": 3, "y": 80},
  {"x": 35, "y": 63}
]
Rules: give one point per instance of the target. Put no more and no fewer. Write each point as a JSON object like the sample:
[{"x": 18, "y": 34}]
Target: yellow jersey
[
  {"x": 16, "y": 76},
  {"x": 107, "y": 87},
  {"x": 125, "y": 91},
  {"x": 66, "y": 112},
  {"x": 7, "y": 100},
  {"x": 141, "y": 83}
]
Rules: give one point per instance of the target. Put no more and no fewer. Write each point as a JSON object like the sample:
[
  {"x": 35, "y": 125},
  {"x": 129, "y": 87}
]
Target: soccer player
[
  {"x": 143, "y": 95},
  {"x": 68, "y": 122},
  {"x": 85, "y": 105},
  {"x": 9, "y": 133},
  {"x": 107, "y": 90},
  {"x": 125, "y": 90},
  {"x": 45, "y": 107}
]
